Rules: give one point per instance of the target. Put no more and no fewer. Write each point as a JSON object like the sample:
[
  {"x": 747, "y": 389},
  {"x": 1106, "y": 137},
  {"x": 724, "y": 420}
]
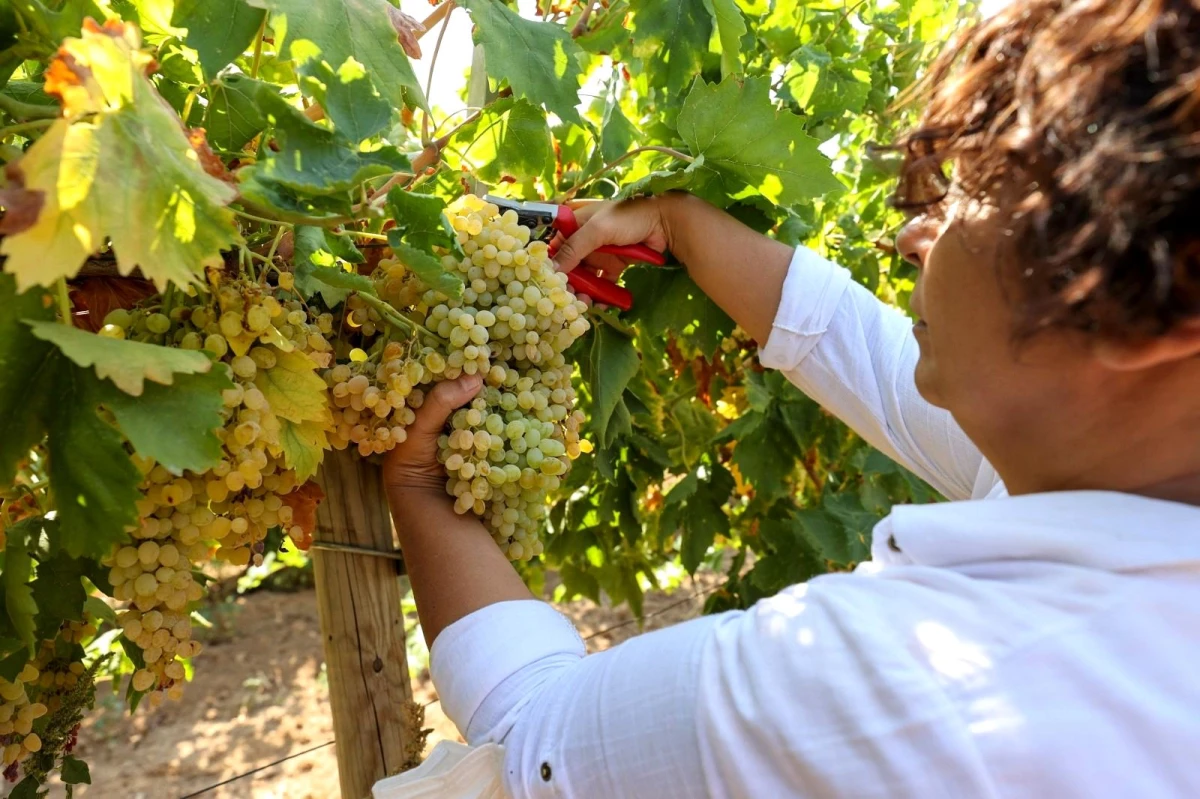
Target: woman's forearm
[
  {"x": 454, "y": 566},
  {"x": 741, "y": 270}
]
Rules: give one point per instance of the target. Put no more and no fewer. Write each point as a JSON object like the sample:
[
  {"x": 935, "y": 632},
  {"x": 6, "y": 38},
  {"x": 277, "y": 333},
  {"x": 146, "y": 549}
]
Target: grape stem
[
  {"x": 261, "y": 219},
  {"x": 64, "y": 301},
  {"x": 437, "y": 48},
  {"x": 582, "y": 23},
  {"x": 26, "y": 111},
  {"x": 258, "y": 46},
  {"x": 623, "y": 158},
  {"x": 22, "y": 127},
  {"x": 394, "y": 317}
]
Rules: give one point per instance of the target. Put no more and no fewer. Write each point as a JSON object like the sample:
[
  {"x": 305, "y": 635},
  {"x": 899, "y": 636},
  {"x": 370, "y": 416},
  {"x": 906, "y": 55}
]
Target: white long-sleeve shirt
[{"x": 1035, "y": 646}]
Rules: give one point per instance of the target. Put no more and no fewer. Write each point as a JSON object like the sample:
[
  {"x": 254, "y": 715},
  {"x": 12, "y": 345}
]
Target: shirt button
[{"x": 545, "y": 772}]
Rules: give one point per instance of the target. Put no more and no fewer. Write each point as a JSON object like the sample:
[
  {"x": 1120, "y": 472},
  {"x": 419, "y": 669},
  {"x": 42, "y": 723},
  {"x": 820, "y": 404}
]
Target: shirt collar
[{"x": 1094, "y": 529}]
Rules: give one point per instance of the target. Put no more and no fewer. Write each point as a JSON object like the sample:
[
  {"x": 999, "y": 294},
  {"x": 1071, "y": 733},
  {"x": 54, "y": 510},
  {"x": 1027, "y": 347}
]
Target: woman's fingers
[
  {"x": 413, "y": 463},
  {"x": 446, "y": 397}
]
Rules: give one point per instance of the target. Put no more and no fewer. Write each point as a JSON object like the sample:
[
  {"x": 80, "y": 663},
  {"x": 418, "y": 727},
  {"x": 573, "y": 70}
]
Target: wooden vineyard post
[{"x": 375, "y": 722}]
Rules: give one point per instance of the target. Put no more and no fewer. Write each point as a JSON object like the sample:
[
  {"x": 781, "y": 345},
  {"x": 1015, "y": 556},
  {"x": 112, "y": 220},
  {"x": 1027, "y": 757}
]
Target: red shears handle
[{"x": 599, "y": 289}]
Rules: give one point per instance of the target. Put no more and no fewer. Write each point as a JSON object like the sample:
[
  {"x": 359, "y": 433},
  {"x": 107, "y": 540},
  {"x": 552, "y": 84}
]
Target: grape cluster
[
  {"x": 60, "y": 663},
  {"x": 373, "y": 402},
  {"x": 515, "y": 318},
  {"x": 17, "y": 714},
  {"x": 227, "y": 511}
]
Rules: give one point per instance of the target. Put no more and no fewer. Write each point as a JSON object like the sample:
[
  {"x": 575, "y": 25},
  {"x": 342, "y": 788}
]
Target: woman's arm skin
[
  {"x": 454, "y": 566},
  {"x": 741, "y": 270}
]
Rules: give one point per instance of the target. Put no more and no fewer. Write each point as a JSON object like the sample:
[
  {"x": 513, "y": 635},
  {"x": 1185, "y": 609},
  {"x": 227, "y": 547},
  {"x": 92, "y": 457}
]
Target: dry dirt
[{"x": 260, "y": 694}]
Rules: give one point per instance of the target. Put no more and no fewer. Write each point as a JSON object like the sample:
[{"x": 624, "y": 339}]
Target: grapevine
[{"x": 276, "y": 249}]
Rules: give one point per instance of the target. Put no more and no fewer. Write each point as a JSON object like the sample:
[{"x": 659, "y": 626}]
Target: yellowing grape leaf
[
  {"x": 303, "y": 446},
  {"x": 293, "y": 389},
  {"x": 126, "y": 363},
  {"x": 745, "y": 140},
  {"x": 118, "y": 166}
]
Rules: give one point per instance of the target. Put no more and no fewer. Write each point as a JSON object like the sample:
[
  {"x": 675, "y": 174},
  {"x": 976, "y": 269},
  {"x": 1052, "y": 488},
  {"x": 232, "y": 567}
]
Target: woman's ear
[{"x": 1178, "y": 344}]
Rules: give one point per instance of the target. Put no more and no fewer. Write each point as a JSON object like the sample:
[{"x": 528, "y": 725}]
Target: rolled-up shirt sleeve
[{"x": 856, "y": 356}]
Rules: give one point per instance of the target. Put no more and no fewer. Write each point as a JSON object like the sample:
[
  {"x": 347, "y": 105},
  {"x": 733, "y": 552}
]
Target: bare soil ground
[{"x": 260, "y": 694}]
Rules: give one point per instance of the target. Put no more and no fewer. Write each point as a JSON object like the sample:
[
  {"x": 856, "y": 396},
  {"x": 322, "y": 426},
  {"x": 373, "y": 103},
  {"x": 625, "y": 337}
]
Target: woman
[{"x": 1040, "y": 640}]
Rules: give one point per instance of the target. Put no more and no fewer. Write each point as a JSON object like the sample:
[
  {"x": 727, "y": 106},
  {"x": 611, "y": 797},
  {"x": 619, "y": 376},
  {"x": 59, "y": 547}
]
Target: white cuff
[
  {"x": 811, "y": 293},
  {"x": 475, "y": 654}
]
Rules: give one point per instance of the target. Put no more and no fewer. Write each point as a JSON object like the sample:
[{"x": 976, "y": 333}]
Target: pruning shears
[{"x": 545, "y": 219}]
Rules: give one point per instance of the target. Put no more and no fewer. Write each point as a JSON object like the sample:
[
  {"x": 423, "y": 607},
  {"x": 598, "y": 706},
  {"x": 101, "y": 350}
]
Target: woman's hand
[
  {"x": 612, "y": 223},
  {"x": 453, "y": 564},
  {"x": 740, "y": 269},
  {"x": 414, "y": 464}
]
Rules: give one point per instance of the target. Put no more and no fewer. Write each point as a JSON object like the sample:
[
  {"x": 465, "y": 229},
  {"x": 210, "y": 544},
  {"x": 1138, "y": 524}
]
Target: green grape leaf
[
  {"x": 421, "y": 220},
  {"x": 510, "y": 139},
  {"x": 825, "y": 87},
  {"x": 613, "y": 361},
  {"x": 696, "y": 505},
  {"x": 671, "y": 36},
  {"x": 58, "y": 592},
  {"x": 348, "y": 96},
  {"x": 175, "y": 425},
  {"x": 86, "y": 182},
  {"x": 540, "y": 60},
  {"x": 766, "y": 455},
  {"x": 342, "y": 245},
  {"x": 95, "y": 482},
  {"x": 75, "y": 772},
  {"x": 666, "y": 299},
  {"x": 232, "y": 117},
  {"x": 25, "y": 365},
  {"x": 128, "y": 364},
  {"x": 66, "y": 20},
  {"x": 731, "y": 27},
  {"x": 303, "y": 446},
  {"x": 218, "y": 30},
  {"x": 857, "y": 521},
  {"x": 27, "y": 788},
  {"x": 316, "y": 160},
  {"x": 293, "y": 388},
  {"x": 349, "y": 35},
  {"x": 312, "y": 257},
  {"x": 617, "y": 133},
  {"x": 826, "y": 535},
  {"x": 426, "y": 267},
  {"x": 288, "y": 204},
  {"x": 19, "y": 603},
  {"x": 29, "y": 92},
  {"x": 95, "y": 606},
  {"x": 746, "y": 141},
  {"x": 790, "y": 561}
]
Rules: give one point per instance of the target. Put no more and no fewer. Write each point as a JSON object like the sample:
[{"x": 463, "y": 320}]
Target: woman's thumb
[{"x": 443, "y": 400}]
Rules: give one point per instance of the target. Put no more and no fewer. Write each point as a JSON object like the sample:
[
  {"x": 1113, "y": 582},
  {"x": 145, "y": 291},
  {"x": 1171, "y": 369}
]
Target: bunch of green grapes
[
  {"x": 515, "y": 319},
  {"x": 227, "y": 511}
]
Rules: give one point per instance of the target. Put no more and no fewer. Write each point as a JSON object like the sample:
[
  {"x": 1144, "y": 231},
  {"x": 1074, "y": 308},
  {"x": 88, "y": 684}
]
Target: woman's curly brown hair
[{"x": 1082, "y": 117}]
